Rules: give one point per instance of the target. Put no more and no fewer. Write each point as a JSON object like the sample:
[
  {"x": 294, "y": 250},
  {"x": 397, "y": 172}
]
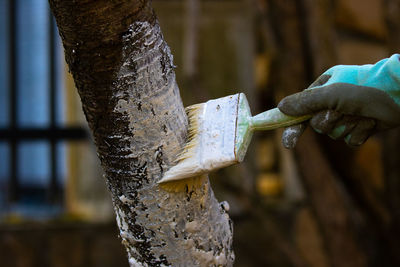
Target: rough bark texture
[{"x": 124, "y": 73}]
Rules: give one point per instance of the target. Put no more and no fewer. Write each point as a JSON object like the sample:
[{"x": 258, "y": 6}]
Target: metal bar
[
  {"x": 56, "y": 134},
  {"x": 53, "y": 134},
  {"x": 52, "y": 187},
  {"x": 52, "y": 71},
  {"x": 13, "y": 183}
]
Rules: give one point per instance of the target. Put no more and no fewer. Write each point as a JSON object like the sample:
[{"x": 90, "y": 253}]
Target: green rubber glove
[{"x": 350, "y": 102}]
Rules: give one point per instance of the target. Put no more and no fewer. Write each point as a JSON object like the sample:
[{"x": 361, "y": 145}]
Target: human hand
[{"x": 348, "y": 101}]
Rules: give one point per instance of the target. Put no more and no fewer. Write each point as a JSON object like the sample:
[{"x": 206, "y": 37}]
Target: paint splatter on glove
[{"x": 350, "y": 102}]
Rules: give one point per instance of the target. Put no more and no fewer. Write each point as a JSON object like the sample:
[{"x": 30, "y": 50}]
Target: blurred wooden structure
[{"x": 323, "y": 204}]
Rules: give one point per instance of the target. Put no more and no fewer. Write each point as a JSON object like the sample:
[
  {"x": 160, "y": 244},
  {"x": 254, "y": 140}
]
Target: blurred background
[{"x": 322, "y": 204}]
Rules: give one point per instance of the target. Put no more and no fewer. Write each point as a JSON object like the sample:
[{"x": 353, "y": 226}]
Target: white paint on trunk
[
  {"x": 161, "y": 228},
  {"x": 133, "y": 263}
]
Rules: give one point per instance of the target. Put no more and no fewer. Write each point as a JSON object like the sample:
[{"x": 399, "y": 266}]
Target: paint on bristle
[
  {"x": 219, "y": 133},
  {"x": 211, "y": 139},
  {"x": 190, "y": 184},
  {"x": 192, "y": 140},
  {"x": 188, "y": 152}
]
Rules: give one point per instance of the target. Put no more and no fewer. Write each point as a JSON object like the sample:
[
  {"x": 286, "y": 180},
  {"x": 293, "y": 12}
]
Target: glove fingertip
[
  {"x": 289, "y": 143},
  {"x": 291, "y": 135},
  {"x": 355, "y": 141},
  {"x": 286, "y": 105},
  {"x": 360, "y": 134}
]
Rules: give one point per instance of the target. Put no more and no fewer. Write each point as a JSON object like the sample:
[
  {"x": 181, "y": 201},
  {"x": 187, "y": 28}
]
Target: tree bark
[{"x": 124, "y": 73}]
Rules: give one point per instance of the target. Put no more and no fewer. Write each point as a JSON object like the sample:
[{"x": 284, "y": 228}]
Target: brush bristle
[
  {"x": 189, "y": 184},
  {"x": 210, "y": 143},
  {"x": 192, "y": 140},
  {"x": 188, "y": 152}
]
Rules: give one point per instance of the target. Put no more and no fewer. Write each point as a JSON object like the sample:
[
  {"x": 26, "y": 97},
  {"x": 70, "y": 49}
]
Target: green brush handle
[{"x": 273, "y": 119}]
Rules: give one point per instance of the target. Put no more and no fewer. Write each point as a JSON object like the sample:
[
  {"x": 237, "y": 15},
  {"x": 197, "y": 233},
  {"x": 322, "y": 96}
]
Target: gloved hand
[{"x": 349, "y": 102}]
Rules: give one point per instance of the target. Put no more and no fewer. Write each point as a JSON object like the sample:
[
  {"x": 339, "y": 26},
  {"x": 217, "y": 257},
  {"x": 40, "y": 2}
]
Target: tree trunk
[{"x": 124, "y": 73}]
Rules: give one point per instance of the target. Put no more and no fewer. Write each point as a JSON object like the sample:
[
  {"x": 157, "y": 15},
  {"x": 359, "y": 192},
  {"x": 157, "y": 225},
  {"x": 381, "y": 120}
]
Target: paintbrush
[{"x": 220, "y": 131}]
